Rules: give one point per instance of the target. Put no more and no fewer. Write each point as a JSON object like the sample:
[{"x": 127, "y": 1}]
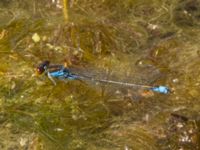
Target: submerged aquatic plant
[{"x": 150, "y": 42}]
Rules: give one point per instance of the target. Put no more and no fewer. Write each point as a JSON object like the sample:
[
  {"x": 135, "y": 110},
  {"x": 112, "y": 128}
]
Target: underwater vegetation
[{"x": 148, "y": 42}]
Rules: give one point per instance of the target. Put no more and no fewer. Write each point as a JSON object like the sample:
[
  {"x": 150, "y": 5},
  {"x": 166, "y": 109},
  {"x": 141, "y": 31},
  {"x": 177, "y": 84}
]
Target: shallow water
[{"x": 152, "y": 42}]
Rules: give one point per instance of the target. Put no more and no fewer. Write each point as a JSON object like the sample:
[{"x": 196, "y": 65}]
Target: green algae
[{"x": 146, "y": 42}]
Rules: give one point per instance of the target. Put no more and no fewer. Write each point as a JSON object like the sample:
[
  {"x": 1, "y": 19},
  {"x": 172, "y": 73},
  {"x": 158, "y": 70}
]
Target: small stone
[
  {"x": 140, "y": 63},
  {"x": 146, "y": 118},
  {"x": 44, "y": 38},
  {"x": 58, "y": 129},
  {"x": 117, "y": 92},
  {"x": 129, "y": 105},
  {"x": 152, "y": 26},
  {"x": 50, "y": 46},
  {"x": 126, "y": 148},
  {"x": 185, "y": 12},
  {"x": 13, "y": 85},
  {"x": 191, "y": 131},
  {"x": 179, "y": 125},
  {"x": 36, "y": 37},
  {"x": 23, "y": 141},
  {"x": 75, "y": 117},
  {"x": 175, "y": 80},
  {"x": 58, "y": 48}
]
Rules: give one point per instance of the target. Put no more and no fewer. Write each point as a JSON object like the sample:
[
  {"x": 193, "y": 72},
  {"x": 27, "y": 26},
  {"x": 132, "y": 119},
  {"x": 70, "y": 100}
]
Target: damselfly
[{"x": 63, "y": 73}]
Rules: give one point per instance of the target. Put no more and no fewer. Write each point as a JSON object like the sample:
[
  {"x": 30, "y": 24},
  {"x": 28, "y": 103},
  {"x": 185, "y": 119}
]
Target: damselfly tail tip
[{"x": 161, "y": 89}]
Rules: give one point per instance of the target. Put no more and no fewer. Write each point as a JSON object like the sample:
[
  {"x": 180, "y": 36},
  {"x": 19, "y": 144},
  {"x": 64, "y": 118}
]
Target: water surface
[{"x": 153, "y": 42}]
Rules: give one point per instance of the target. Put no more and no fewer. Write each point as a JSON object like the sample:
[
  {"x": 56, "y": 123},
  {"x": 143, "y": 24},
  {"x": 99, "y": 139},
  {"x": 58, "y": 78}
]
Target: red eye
[{"x": 41, "y": 68}]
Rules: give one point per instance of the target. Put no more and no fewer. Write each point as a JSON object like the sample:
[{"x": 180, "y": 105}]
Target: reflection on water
[{"x": 146, "y": 42}]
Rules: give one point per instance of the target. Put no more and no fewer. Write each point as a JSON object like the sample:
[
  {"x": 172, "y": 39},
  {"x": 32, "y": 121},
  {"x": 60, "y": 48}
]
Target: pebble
[
  {"x": 175, "y": 80},
  {"x": 23, "y": 141},
  {"x": 36, "y": 38},
  {"x": 58, "y": 129},
  {"x": 152, "y": 26},
  {"x": 179, "y": 125}
]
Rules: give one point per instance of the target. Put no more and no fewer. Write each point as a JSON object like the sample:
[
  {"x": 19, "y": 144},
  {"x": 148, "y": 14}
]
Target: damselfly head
[{"x": 42, "y": 67}]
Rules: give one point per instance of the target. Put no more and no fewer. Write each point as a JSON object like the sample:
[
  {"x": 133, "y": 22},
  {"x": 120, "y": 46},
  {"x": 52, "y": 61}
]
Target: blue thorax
[
  {"x": 58, "y": 73},
  {"x": 63, "y": 73}
]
